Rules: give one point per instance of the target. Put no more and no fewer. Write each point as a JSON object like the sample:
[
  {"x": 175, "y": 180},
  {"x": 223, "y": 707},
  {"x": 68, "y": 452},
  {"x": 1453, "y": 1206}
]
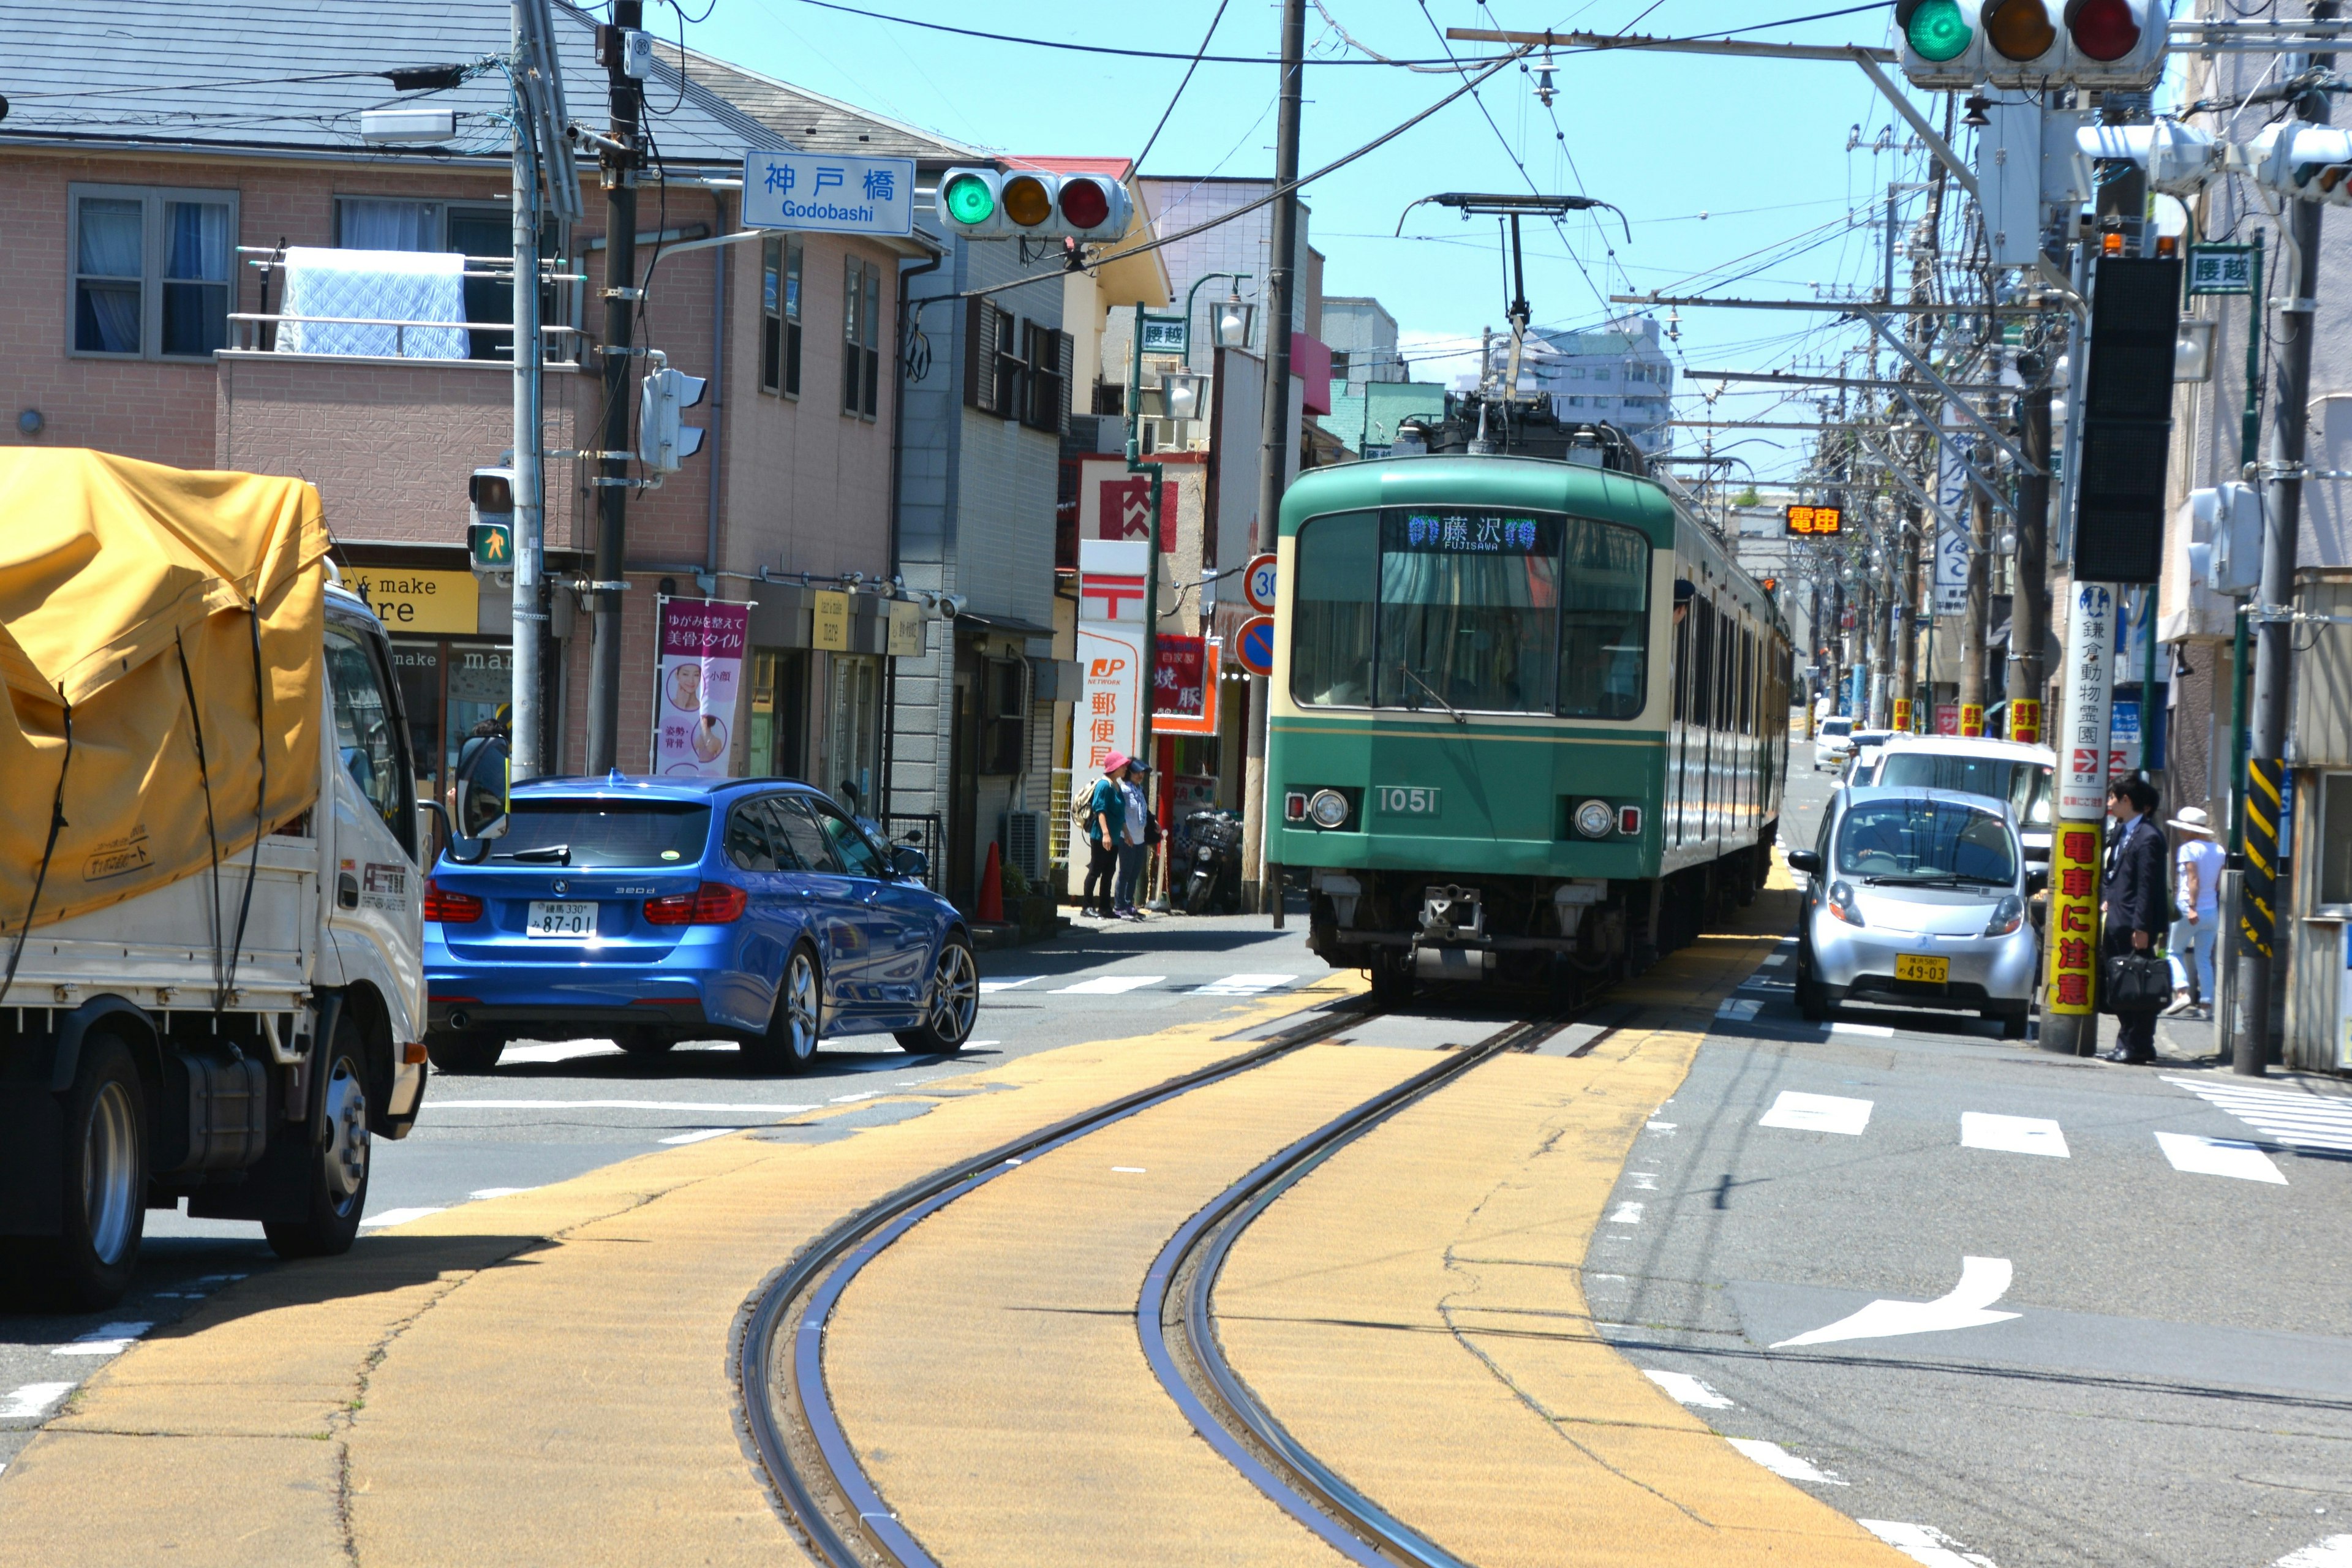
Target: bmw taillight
[
  {"x": 711, "y": 904},
  {"x": 449, "y": 907}
]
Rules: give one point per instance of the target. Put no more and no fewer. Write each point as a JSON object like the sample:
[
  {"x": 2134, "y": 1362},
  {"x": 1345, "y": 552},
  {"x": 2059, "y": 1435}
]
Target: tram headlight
[
  {"x": 1327, "y": 809},
  {"x": 1594, "y": 819}
]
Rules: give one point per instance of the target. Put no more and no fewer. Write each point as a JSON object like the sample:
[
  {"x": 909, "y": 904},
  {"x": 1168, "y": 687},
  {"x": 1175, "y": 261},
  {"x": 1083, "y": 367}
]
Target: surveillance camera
[{"x": 952, "y": 605}]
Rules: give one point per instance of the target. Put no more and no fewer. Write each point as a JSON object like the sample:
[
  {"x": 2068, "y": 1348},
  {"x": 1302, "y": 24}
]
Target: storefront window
[
  {"x": 853, "y": 731},
  {"x": 779, "y": 718},
  {"x": 449, "y": 688}
]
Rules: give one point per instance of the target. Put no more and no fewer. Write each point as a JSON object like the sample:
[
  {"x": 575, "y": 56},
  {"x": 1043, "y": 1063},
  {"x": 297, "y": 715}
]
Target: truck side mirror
[{"x": 484, "y": 790}]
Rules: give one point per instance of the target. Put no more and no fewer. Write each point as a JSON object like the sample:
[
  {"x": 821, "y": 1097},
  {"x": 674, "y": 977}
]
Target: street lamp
[
  {"x": 1179, "y": 393},
  {"x": 1234, "y": 314}
]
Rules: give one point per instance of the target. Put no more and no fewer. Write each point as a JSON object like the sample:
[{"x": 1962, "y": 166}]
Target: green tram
[{"x": 1528, "y": 721}]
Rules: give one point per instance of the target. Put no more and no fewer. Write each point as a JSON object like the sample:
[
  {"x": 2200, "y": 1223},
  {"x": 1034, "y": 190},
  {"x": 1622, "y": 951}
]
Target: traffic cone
[{"x": 992, "y": 889}]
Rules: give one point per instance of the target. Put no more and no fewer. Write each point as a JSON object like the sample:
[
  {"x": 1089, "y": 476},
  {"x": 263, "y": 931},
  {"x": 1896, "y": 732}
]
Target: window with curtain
[
  {"x": 154, "y": 271},
  {"x": 386, "y": 223}
]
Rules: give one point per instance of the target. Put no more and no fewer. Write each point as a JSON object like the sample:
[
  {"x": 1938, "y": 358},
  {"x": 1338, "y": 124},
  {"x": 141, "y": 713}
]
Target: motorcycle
[{"x": 1214, "y": 849}]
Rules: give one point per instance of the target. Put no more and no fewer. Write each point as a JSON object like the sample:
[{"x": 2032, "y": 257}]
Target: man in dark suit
[{"x": 2138, "y": 903}]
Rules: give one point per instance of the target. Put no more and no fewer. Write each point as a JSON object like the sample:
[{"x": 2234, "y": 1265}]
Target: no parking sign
[{"x": 1255, "y": 645}]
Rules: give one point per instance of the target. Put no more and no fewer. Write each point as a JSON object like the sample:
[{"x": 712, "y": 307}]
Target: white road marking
[
  {"x": 2304, "y": 1121},
  {"x": 743, "y": 1109},
  {"x": 33, "y": 1401},
  {"x": 1128, "y": 1171},
  {"x": 1608, "y": 1279},
  {"x": 1643, "y": 1181},
  {"x": 1245, "y": 985},
  {"x": 541, "y": 1051},
  {"x": 1739, "y": 1008},
  {"x": 1875, "y": 1031},
  {"x": 1924, "y": 1543},
  {"x": 705, "y": 1133},
  {"x": 1775, "y": 961},
  {"x": 479, "y": 1194},
  {"x": 2012, "y": 1134},
  {"x": 1110, "y": 986},
  {"x": 1983, "y": 1281},
  {"x": 401, "y": 1216},
  {"x": 1659, "y": 1127},
  {"x": 1817, "y": 1114},
  {"x": 988, "y": 985},
  {"x": 1688, "y": 1390},
  {"x": 1625, "y": 1213},
  {"x": 1781, "y": 1462},
  {"x": 854, "y": 1098},
  {"x": 112, "y": 1338},
  {"x": 969, "y": 1045},
  {"x": 2336, "y": 1552},
  {"x": 2204, "y": 1156}
]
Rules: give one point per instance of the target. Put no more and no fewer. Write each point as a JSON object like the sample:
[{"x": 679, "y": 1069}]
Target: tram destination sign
[
  {"x": 1810, "y": 521},
  {"x": 1470, "y": 533}
]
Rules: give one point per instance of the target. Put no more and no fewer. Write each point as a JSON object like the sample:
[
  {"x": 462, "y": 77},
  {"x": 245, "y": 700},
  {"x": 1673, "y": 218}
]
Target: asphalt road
[
  {"x": 2053, "y": 1311},
  {"x": 555, "y": 1109}
]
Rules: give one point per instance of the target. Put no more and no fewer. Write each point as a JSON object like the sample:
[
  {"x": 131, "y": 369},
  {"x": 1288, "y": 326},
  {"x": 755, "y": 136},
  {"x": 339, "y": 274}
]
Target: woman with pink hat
[{"x": 2198, "y": 864}]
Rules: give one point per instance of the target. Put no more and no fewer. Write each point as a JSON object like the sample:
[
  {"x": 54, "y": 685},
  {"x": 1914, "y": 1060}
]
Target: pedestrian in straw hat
[{"x": 2198, "y": 864}]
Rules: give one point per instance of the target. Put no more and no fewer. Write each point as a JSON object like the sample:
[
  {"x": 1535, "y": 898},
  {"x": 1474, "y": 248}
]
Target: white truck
[{"x": 235, "y": 1028}]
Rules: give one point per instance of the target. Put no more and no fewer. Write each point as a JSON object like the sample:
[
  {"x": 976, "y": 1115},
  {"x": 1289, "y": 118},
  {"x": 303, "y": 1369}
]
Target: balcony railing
[{"x": 561, "y": 293}]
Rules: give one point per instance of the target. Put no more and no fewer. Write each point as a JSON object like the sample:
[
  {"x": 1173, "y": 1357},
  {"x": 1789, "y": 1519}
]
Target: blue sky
[{"x": 1736, "y": 174}]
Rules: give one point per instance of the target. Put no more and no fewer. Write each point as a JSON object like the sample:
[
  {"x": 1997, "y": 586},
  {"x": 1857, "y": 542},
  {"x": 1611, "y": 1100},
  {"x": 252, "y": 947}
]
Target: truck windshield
[
  {"x": 1470, "y": 610},
  {"x": 1921, "y": 839},
  {"x": 637, "y": 833}
]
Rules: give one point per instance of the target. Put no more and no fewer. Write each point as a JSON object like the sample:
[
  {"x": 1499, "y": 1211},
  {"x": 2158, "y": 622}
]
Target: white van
[
  {"x": 1833, "y": 742},
  {"x": 2004, "y": 770}
]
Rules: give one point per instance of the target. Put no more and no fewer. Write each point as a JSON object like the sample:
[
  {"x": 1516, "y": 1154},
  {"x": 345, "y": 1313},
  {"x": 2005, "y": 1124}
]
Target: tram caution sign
[
  {"x": 1258, "y": 584},
  {"x": 1254, "y": 645}
]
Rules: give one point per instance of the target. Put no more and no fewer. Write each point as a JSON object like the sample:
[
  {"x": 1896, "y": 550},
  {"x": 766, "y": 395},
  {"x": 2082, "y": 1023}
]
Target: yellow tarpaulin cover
[{"x": 110, "y": 569}]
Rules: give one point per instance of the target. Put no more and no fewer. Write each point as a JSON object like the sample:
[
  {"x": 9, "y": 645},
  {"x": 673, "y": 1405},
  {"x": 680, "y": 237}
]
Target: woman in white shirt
[
  {"x": 2198, "y": 882},
  {"x": 1131, "y": 853}
]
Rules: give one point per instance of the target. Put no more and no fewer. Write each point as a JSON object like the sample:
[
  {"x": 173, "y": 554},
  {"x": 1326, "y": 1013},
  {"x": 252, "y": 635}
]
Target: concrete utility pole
[
  {"x": 2028, "y": 613},
  {"x": 613, "y": 481},
  {"x": 1973, "y": 613},
  {"x": 1906, "y": 619},
  {"x": 1259, "y": 880},
  {"x": 2283, "y": 518},
  {"x": 527, "y": 724}
]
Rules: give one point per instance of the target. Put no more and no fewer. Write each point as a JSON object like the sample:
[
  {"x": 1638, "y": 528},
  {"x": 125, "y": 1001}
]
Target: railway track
[{"x": 788, "y": 1414}]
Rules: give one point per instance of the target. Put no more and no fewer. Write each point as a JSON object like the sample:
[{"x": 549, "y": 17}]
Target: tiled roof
[
  {"x": 812, "y": 123},
  {"x": 293, "y": 75}
]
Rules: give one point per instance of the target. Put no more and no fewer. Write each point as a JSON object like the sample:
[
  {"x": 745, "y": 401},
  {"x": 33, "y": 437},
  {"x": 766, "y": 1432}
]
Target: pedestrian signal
[
  {"x": 490, "y": 523},
  {"x": 1032, "y": 204},
  {"x": 1816, "y": 520}
]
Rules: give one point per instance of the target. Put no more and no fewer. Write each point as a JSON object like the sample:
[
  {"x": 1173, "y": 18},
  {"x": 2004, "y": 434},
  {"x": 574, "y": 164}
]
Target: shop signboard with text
[{"x": 697, "y": 676}]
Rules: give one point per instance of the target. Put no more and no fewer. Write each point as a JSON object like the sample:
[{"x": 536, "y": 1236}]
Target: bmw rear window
[{"x": 636, "y": 833}]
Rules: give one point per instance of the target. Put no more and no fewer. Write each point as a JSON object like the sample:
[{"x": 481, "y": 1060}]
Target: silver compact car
[{"x": 1918, "y": 898}]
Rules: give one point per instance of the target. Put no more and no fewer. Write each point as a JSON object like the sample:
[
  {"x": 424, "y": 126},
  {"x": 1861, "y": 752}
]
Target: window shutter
[
  {"x": 981, "y": 320},
  {"x": 1066, "y": 355}
]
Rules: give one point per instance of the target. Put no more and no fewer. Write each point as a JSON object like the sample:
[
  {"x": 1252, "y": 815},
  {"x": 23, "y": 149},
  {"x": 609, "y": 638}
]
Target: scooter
[{"x": 1215, "y": 837}]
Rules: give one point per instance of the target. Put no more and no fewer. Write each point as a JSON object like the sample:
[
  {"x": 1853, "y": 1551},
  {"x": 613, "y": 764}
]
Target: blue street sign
[
  {"x": 829, "y": 192},
  {"x": 1255, "y": 645}
]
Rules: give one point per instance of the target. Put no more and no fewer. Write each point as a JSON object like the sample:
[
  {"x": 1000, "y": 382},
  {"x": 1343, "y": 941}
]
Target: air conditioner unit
[{"x": 1022, "y": 835}]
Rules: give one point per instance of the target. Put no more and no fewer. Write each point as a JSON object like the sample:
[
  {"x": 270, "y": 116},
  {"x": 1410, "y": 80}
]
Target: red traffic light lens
[
  {"x": 2020, "y": 29},
  {"x": 1026, "y": 201},
  {"x": 2103, "y": 29},
  {"x": 1084, "y": 204}
]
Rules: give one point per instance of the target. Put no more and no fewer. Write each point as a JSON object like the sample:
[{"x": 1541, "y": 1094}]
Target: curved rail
[
  {"x": 847, "y": 1523},
  {"x": 1240, "y": 1428}
]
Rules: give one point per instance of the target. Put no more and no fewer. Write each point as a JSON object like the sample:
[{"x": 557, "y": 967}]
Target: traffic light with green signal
[
  {"x": 2032, "y": 44},
  {"x": 1032, "y": 204}
]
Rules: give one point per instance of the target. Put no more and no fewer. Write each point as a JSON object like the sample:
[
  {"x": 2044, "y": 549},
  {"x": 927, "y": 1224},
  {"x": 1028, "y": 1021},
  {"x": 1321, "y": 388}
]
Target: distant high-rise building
[
  {"x": 1363, "y": 339},
  {"x": 1619, "y": 373}
]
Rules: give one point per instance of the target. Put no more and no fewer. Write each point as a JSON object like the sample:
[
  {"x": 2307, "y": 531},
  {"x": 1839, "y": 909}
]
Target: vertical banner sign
[
  {"x": 2074, "y": 916},
  {"x": 906, "y": 635},
  {"x": 1902, "y": 713},
  {"x": 2025, "y": 721},
  {"x": 700, "y": 669},
  {"x": 829, "y": 620},
  {"x": 2258, "y": 896},
  {"x": 1184, "y": 686},
  {"x": 1110, "y": 655},
  {"x": 1947, "y": 718},
  {"x": 2089, "y": 689},
  {"x": 1972, "y": 719}
]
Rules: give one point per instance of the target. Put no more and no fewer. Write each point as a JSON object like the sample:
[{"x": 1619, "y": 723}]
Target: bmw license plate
[
  {"x": 1922, "y": 968},
  {"x": 562, "y": 923}
]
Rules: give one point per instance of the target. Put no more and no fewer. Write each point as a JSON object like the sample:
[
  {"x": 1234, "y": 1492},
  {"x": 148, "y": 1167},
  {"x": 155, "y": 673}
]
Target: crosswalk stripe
[
  {"x": 1110, "y": 986},
  {"x": 33, "y": 1400},
  {"x": 2336, "y": 1552},
  {"x": 988, "y": 985},
  {"x": 2218, "y": 1157},
  {"x": 2012, "y": 1134},
  {"x": 2302, "y": 1121},
  {"x": 1245, "y": 985},
  {"x": 1817, "y": 1114}
]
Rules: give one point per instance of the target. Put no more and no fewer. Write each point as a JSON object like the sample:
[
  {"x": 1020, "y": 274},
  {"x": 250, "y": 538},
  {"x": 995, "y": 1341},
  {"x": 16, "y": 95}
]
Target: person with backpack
[
  {"x": 1102, "y": 820},
  {"x": 1142, "y": 831}
]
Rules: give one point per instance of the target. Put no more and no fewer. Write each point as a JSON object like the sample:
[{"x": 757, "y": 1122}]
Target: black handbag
[{"x": 2134, "y": 981}]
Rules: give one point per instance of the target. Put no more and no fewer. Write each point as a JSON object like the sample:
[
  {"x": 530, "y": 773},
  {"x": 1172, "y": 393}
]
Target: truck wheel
[
  {"x": 105, "y": 1182},
  {"x": 467, "y": 1051},
  {"x": 338, "y": 1166}
]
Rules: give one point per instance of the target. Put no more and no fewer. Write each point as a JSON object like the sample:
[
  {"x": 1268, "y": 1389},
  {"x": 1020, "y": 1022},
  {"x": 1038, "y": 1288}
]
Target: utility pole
[
  {"x": 1973, "y": 613},
  {"x": 620, "y": 172},
  {"x": 1259, "y": 878},
  {"x": 527, "y": 728},
  {"x": 2028, "y": 613},
  {"x": 2283, "y": 518},
  {"x": 1903, "y": 621}
]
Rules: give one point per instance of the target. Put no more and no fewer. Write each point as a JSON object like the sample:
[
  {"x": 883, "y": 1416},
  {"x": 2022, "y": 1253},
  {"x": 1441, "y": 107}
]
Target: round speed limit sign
[{"x": 1258, "y": 584}]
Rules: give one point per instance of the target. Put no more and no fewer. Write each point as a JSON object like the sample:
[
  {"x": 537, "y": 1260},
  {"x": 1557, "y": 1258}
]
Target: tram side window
[
  {"x": 1604, "y": 634},
  {"x": 1338, "y": 570},
  {"x": 1702, "y": 676},
  {"x": 1681, "y": 663}
]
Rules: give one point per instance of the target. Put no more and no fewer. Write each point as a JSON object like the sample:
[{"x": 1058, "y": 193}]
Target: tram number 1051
[{"x": 1404, "y": 800}]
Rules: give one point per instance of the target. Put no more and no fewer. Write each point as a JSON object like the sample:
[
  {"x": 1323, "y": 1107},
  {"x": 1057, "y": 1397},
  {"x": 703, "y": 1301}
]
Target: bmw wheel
[
  {"x": 789, "y": 1044},
  {"x": 951, "y": 1005}
]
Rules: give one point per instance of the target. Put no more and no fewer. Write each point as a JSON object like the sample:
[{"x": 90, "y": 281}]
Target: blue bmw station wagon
[{"x": 651, "y": 910}]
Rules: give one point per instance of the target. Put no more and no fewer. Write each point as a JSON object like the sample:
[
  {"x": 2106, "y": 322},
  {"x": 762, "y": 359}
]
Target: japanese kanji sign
[
  {"x": 700, "y": 658},
  {"x": 1103, "y": 719},
  {"x": 829, "y": 192},
  {"x": 2074, "y": 935},
  {"x": 2221, "y": 269},
  {"x": 2089, "y": 688},
  {"x": 1126, "y": 512},
  {"x": 1184, "y": 686}
]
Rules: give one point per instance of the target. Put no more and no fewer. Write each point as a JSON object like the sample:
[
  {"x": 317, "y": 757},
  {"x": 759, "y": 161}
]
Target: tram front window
[{"x": 1474, "y": 611}]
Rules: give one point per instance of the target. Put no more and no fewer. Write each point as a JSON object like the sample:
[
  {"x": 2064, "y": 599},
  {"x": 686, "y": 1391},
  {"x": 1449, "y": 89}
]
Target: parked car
[
  {"x": 2004, "y": 770},
  {"x": 651, "y": 910},
  {"x": 1917, "y": 897},
  {"x": 1833, "y": 742}
]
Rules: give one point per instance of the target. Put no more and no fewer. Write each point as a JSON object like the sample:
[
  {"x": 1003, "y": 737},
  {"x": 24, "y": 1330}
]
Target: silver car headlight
[
  {"x": 2007, "y": 916},
  {"x": 1841, "y": 904}
]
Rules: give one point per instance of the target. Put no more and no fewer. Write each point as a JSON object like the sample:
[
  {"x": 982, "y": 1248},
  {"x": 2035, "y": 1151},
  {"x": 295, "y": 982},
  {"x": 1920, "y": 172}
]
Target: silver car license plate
[{"x": 562, "y": 923}]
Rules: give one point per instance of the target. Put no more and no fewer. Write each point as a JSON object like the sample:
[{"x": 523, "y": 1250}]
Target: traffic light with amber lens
[
  {"x": 1033, "y": 204},
  {"x": 1940, "y": 42}
]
